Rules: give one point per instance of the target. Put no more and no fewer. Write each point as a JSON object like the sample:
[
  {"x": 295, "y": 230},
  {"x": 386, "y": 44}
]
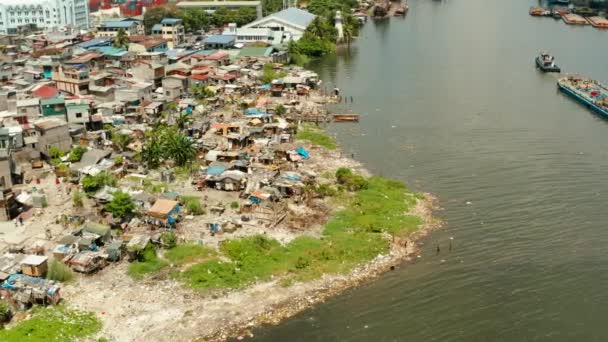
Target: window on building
[{"x": 79, "y": 115}]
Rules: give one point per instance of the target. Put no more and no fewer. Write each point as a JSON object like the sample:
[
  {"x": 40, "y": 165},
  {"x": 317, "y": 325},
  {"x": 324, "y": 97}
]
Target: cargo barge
[{"x": 591, "y": 93}]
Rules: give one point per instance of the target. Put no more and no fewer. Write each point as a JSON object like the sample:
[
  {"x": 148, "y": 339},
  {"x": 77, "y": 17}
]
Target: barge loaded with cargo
[{"x": 591, "y": 93}]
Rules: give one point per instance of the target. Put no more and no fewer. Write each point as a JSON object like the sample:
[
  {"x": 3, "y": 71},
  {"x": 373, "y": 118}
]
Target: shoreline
[
  {"x": 161, "y": 308},
  {"x": 332, "y": 285}
]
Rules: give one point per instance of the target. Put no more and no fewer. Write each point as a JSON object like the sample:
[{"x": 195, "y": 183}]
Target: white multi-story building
[{"x": 44, "y": 14}]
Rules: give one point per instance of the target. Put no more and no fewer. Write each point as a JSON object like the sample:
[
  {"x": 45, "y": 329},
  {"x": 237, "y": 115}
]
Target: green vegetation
[
  {"x": 121, "y": 40},
  {"x": 193, "y": 204},
  {"x": 280, "y": 109},
  {"x": 234, "y": 205},
  {"x": 196, "y": 19},
  {"x": 76, "y": 154},
  {"x": 91, "y": 184},
  {"x": 164, "y": 143},
  {"x": 56, "y": 154},
  {"x": 59, "y": 271},
  {"x": 120, "y": 140},
  {"x": 270, "y": 74},
  {"x": 53, "y": 324},
  {"x": 353, "y": 182},
  {"x": 5, "y": 311},
  {"x": 168, "y": 239},
  {"x": 120, "y": 205},
  {"x": 316, "y": 136},
  {"x": 353, "y": 236},
  {"x": 188, "y": 253},
  {"x": 148, "y": 263},
  {"x": 118, "y": 160},
  {"x": 321, "y": 35}
]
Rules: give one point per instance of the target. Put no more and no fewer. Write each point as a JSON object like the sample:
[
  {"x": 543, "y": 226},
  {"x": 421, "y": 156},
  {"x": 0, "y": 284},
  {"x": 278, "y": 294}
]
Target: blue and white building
[
  {"x": 110, "y": 28},
  {"x": 45, "y": 14}
]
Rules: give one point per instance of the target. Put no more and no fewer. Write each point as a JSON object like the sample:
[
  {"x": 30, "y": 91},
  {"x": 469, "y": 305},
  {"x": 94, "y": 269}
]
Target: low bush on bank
[
  {"x": 316, "y": 136},
  {"x": 50, "y": 324},
  {"x": 193, "y": 204},
  {"x": 353, "y": 236},
  {"x": 59, "y": 271},
  {"x": 148, "y": 263}
]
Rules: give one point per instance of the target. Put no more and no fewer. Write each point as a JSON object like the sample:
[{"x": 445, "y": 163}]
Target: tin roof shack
[
  {"x": 88, "y": 261},
  {"x": 35, "y": 265},
  {"x": 8, "y": 206},
  {"x": 26, "y": 290},
  {"x": 164, "y": 213},
  {"x": 232, "y": 180},
  {"x": 136, "y": 246},
  {"x": 174, "y": 86},
  {"x": 52, "y": 132},
  {"x": 97, "y": 232}
]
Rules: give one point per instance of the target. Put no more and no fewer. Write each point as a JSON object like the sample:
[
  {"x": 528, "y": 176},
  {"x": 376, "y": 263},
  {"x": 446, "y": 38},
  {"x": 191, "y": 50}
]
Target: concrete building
[
  {"x": 172, "y": 30},
  {"x": 110, "y": 28},
  {"x": 45, "y": 14},
  {"x": 77, "y": 111},
  {"x": 52, "y": 132},
  {"x": 219, "y": 42},
  {"x": 6, "y": 165},
  {"x": 74, "y": 80},
  {"x": 292, "y": 22},
  {"x": 252, "y": 35},
  {"x": 211, "y": 6}
]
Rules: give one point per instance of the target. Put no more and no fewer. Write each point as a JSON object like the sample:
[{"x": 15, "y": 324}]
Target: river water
[{"x": 451, "y": 104}]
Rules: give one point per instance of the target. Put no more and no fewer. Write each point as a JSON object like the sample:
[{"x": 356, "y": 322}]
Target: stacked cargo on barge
[{"x": 589, "y": 92}]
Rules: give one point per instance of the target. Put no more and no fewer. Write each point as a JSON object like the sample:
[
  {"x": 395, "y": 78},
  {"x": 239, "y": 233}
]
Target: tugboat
[{"x": 546, "y": 63}]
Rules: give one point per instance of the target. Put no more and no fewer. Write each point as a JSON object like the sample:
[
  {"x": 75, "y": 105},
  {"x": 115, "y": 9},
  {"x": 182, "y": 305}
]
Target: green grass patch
[
  {"x": 59, "y": 271},
  {"x": 316, "y": 136},
  {"x": 353, "y": 236},
  {"x": 148, "y": 263},
  {"x": 183, "y": 254},
  {"x": 50, "y": 324}
]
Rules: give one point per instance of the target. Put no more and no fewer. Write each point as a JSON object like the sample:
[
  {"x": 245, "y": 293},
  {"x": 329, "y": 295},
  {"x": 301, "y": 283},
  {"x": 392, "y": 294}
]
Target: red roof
[
  {"x": 200, "y": 77},
  {"x": 46, "y": 92},
  {"x": 217, "y": 56}
]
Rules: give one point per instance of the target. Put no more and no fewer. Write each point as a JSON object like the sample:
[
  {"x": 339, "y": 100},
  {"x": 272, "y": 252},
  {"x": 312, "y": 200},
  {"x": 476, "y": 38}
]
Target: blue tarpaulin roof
[
  {"x": 215, "y": 170},
  {"x": 253, "y": 111},
  {"x": 301, "y": 151}
]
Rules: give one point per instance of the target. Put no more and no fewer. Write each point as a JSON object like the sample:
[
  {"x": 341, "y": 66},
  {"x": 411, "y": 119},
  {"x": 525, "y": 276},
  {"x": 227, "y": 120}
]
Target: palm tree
[
  {"x": 348, "y": 33},
  {"x": 180, "y": 148},
  {"x": 121, "y": 40},
  {"x": 316, "y": 27},
  {"x": 183, "y": 119}
]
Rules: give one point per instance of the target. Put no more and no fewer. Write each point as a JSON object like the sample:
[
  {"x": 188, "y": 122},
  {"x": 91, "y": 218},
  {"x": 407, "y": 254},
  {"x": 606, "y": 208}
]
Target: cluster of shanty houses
[{"x": 59, "y": 90}]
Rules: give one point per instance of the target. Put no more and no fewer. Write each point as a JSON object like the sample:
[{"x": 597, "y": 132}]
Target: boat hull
[
  {"x": 603, "y": 113},
  {"x": 544, "y": 68}
]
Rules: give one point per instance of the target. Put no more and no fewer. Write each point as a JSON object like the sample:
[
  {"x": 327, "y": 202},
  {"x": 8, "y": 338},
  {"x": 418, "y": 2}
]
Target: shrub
[
  {"x": 93, "y": 183},
  {"x": 59, "y": 271},
  {"x": 119, "y": 160},
  {"x": 234, "y": 205},
  {"x": 342, "y": 174},
  {"x": 77, "y": 199},
  {"x": 193, "y": 204},
  {"x": 148, "y": 263},
  {"x": 169, "y": 239},
  {"x": 76, "y": 154},
  {"x": 280, "y": 109},
  {"x": 5, "y": 311},
  {"x": 120, "y": 205},
  {"x": 351, "y": 181}
]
